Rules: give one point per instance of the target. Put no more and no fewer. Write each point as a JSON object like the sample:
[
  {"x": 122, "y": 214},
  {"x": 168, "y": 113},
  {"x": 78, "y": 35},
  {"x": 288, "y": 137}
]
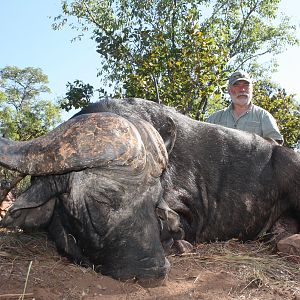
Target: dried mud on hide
[{"x": 31, "y": 268}]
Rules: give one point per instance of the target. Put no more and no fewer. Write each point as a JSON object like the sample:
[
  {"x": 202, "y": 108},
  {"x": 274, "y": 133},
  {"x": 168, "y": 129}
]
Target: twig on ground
[{"x": 26, "y": 282}]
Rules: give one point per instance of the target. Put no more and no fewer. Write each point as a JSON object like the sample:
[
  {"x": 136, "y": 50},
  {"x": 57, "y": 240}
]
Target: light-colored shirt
[{"x": 255, "y": 120}]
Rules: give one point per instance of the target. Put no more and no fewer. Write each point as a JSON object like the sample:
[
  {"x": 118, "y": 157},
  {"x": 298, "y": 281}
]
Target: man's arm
[{"x": 270, "y": 128}]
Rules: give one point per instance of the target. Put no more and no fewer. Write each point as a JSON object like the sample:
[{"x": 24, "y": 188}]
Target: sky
[{"x": 28, "y": 40}]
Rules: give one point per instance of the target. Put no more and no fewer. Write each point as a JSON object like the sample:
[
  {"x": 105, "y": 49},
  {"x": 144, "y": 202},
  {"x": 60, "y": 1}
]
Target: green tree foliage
[
  {"x": 154, "y": 50},
  {"x": 283, "y": 107},
  {"x": 165, "y": 50},
  {"x": 182, "y": 76},
  {"x": 253, "y": 29},
  {"x": 79, "y": 95},
  {"x": 23, "y": 114}
]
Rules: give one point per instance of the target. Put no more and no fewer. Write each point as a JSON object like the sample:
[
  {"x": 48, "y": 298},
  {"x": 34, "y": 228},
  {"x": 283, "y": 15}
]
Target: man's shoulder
[
  {"x": 219, "y": 112},
  {"x": 259, "y": 109},
  {"x": 222, "y": 111},
  {"x": 216, "y": 115}
]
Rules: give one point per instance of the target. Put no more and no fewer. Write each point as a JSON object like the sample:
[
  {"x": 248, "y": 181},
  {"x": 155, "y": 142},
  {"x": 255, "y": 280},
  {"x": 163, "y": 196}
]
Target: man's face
[{"x": 241, "y": 92}]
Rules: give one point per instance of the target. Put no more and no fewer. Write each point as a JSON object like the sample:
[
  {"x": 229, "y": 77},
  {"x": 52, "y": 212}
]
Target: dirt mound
[{"x": 30, "y": 268}]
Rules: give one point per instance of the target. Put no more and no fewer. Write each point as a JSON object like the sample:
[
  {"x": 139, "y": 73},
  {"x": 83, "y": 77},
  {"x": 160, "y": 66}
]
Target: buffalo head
[{"x": 95, "y": 188}]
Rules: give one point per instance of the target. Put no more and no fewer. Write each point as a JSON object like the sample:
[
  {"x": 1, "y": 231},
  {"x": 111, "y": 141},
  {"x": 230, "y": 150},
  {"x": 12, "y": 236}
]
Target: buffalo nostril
[
  {"x": 146, "y": 277},
  {"x": 158, "y": 277}
]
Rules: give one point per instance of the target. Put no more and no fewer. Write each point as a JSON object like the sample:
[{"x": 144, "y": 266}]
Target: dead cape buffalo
[
  {"x": 219, "y": 183},
  {"x": 95, "y": 187}
]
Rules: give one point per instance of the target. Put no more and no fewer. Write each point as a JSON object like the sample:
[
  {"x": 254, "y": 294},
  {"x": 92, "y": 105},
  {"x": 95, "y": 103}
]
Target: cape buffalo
[
  {"x": 218, "y": 184},
  {"x": 223, "y": 183},
  {"x": 95, "y": 187}
]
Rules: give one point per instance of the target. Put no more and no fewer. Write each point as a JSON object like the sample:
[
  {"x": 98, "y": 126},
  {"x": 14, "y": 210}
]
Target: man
[{"x": 242, "y": 114}]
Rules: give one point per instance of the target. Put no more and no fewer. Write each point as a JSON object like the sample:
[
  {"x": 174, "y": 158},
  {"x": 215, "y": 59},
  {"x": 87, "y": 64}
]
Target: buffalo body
[
  {"x": 119, "y": 203},
  {"x": 223, "y": 183}
]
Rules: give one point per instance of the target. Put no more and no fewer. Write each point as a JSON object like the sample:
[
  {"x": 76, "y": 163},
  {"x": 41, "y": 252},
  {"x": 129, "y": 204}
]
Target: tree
[
  {"x": 183, "y": 75},
  {"x": 164, "y": 50},
  {"x": 154, "y": 50},
  {"x": 253, "y": 30},
  {"x": 78, "y": 96},
  {"x": 23, "y": 115}
]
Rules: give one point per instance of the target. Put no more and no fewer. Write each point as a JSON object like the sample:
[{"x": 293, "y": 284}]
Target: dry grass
[
  {"x": 32, "y": 259},
  {"x": 253, "y": 264},
  {"x": 17, "y": 245}
]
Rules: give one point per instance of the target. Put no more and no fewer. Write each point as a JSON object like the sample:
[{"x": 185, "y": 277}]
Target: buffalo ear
[
  {"x": 29, "y": 217},
  {"x": 169, "y": 216},
  {"x": 168, "y": 133}
]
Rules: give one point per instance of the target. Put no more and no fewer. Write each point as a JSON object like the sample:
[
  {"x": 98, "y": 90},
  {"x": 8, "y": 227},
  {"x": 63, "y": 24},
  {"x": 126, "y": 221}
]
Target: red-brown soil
[{"x": 30, "y": 268}]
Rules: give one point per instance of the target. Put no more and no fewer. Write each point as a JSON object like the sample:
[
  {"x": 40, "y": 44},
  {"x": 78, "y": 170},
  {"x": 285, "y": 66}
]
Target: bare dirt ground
[{"x": 30, "y": 268}]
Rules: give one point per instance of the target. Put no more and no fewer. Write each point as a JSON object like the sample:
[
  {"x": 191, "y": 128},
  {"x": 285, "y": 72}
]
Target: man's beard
[{"x": 241, "y": 98}]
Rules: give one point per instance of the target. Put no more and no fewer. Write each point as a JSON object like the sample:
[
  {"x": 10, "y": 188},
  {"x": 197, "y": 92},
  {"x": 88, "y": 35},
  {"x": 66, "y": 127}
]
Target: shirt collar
[{"x": 230, "y": 107}]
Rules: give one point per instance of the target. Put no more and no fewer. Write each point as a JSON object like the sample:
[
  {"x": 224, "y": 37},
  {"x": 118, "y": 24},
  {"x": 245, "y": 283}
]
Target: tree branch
[
  {"x": 156, "y": 89},
  {"x": 245, "y": 20},
  {"x": 251, "y": 57},
  {"x": 92, "y": 18},
  {"x": 173, "y": 25}
]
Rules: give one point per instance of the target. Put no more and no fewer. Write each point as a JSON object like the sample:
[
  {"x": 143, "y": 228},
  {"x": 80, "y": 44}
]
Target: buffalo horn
[{"x": 86, "y": 141}]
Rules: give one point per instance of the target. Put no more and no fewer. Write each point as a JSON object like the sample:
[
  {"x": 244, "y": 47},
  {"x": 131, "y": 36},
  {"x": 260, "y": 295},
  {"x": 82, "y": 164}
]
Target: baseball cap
[{"x": 237, "y": 76}]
